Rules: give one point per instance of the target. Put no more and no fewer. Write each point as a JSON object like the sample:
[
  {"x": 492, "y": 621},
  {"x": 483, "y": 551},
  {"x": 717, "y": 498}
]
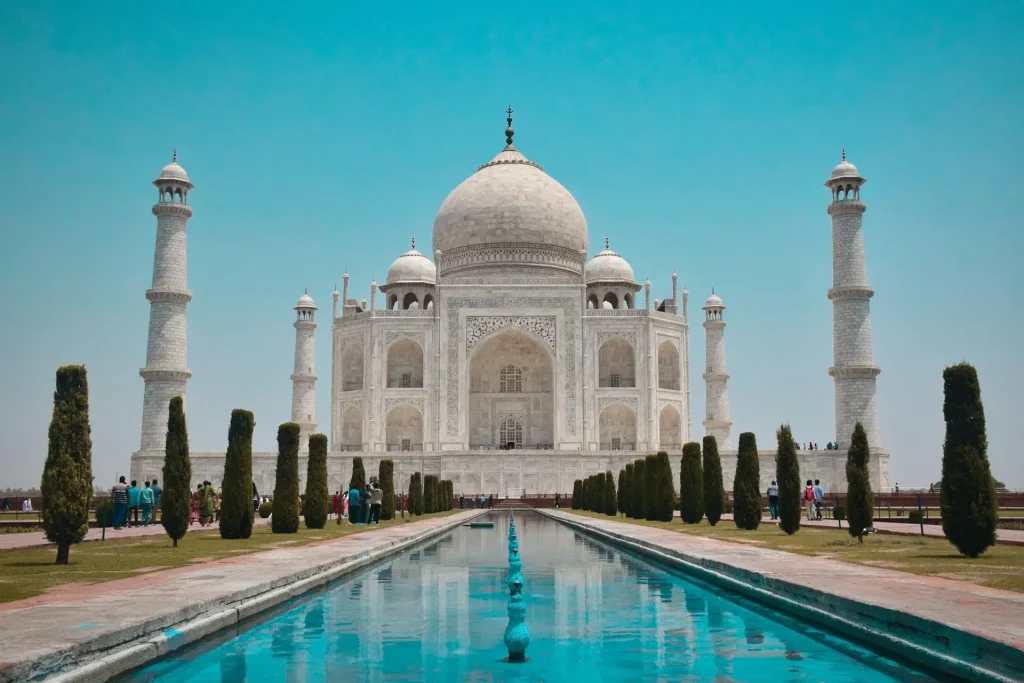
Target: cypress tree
[
  {"x": 429, "y": 494},
  {"x": 588, "y": 485},
  {"x": 621, "y": 490},
  {"x": 577, "y": 494},
  {"x": 176, "y": 499},
  {"x": 638, "y": 493},
  {"x": 859, "y": 500},
  {"x": 787, "y": 473},
  {"x": 665, "y": 504},
  {"x": 416, "y": 494},
  {"x": 386, "y": 479},
  {"x": 592, "y": 493},
  {"x": 358, "y": 479},
  {"x": 316, "y": 501},
  {"x": 691, "y": 484},
  {"x": 610, "y": 502},
  {"x": 627, "y": 495},
  {"x": 652, "y": 488},
  {"x": 67, "y": 474},
  {"x": 285, "y": 518},
  {"x": 714, "y": 492},
  {"x": 968, "y": 492},
  {"x": 746, "y": 485},
  {"x": 236, "y": 513}
]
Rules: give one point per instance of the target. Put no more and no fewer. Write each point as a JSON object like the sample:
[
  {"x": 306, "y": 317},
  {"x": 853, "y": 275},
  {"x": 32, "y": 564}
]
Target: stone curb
[
  {"x": 122, "y": 651},
  {"x": 917, "y": 639}
]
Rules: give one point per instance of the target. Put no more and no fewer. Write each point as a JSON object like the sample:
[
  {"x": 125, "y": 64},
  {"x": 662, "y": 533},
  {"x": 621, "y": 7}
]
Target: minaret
[
  {"x": 717, "y": 423},
  {"x": 304, "y": 379},
  {"x": 853, "y": 368},
  {"x": 166, "y": 372}
]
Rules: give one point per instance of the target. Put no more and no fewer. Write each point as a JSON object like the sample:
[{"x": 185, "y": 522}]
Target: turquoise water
[{"x": 595, "y": 614}]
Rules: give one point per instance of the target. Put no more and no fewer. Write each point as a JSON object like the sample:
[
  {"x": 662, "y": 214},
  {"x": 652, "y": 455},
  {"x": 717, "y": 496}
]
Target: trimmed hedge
[
  {"x": 714, "y": 491},
  {"x": 358, "y": 479},
  {"x": 176, "y": 499},
  {"x": 266, "y": 509},
  {"x": 610, "y": 503},
  {"x": 859, "y": 499},
  {"x": 67, "y": 474},
  {"x": 638, "y": 493},
  {"x": 787, "y": 473},
  {"x": 691, "y": 484},
  {"x": 746, "y": 485},
  {"x": 429, "y": 494},
  {"x": 577, "y": 494},
  {"x": 317, "y": 501},
  {"x": 652, "y": 487},
  {"x": 386, "y": 480},
  {"x": 285, "y": 519},
  {"x": 236, "y": 513},
  {"x": 416, "y": 494},
  {"x": 620, "y": 490},
  {"x": 664, "y": 501},
  {"x": 627, "y": 494}
]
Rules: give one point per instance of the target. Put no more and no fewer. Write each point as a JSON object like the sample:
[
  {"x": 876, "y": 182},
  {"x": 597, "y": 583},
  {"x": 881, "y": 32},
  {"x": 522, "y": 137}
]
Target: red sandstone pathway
[
  {"x": 993, "y": 614},
  {"x": 87, "y": 618},
  {"x": 37, "y": 539}
]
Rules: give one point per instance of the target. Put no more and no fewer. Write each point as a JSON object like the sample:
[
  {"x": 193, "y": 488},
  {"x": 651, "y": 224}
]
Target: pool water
[{"x": 595, "y": 613}]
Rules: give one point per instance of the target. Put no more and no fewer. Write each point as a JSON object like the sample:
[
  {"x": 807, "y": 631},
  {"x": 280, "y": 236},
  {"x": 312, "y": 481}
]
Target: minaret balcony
[
  {"x": 155, "y": 295},
  {"x": 172, "y": 209},
  {"x": 855, "y": 372},
  {"x": 846, "y": 292}
]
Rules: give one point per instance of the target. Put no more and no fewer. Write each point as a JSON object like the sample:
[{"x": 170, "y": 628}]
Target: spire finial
[
  {"x": 606, "y": 241},
  {"x": 307, "y": 290},
  {"x": 508, "y": 131},
  {"x": 844, "y": 154},
  {"x": 174, "y": 156},
  {"x": 712, "y": 291},
  {"x": 414, "y": 240}
]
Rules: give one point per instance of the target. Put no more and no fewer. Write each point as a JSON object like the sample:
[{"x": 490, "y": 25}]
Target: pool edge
[{"x": 861, "y": 631}]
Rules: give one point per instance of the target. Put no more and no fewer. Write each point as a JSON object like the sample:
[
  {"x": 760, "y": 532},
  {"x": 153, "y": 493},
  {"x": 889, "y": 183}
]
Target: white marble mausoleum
[{"x": 507, "y": 360}]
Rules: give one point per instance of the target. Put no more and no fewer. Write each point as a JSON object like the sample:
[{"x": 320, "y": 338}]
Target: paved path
[
  {"x": 886, "y": 599},
  {"x": 77, "y": 623},
  {"x": 37, "y": 539}
]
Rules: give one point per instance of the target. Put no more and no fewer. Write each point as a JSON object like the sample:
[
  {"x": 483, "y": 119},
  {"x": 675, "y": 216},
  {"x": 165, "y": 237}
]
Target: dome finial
[
  {"x": 307, "y": 290},
  {"x": 414, "y": 240},
  {"x": 508, "y": 131},
  {"x": 712, "y": 291},
  {"x": 844, "y": 154},
  {"x": 174, "y": 156},
  {"x": 606, "y": 241}
]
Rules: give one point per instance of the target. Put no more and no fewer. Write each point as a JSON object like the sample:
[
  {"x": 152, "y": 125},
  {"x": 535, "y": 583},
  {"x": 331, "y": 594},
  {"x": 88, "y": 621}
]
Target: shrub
[
  {"x": 915, "y": 516},
  {"x": 651, "y": 487},
  {"x": 968, "y": 493},
  {"x": 429, "y": 494},
  {"x": 176, "y": 499},
  {"x": 859, "y": 499},
  {"x": 638, "y": 492},
  {"x": 714, "y": 492},
  {"x": 358, "y": 479},
  {"x": 620, "y": 491},
  {"x": 266, "y": 508},
  {"x": 691, "y": 484},
  {"x": 627, "y": 494},
  {"x": 67, "y": 474},
  {"x": 236, "y": 514},
  {"x": 787, "y": 473},
  {"x": 416, "y": 494},
  {"x": 665, "y": 502},
  {"x": 105, "y": 513},
  {"x": 577, "y": 494},
  {"x": 386, "y": 479},
  {"x": 746, "y": 485},
  {"x": 610, "y": 503},
  {"x": 286, "y": 487},
  {"x": 316, "y": 503}
]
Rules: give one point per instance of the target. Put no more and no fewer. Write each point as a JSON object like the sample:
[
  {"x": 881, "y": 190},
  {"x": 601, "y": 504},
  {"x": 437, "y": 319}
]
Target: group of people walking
[
  {"x": 813, "y": 497},
  {"x": 130, "y": 501},
  {"x": 359, "y": 507},
  {"x": 474, "y": 502},
  {"x": 205, "y": 505}
]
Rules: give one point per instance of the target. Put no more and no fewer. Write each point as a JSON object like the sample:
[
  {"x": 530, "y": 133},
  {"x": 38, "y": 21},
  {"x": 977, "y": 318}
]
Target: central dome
[{"x": 510, "y": 213}]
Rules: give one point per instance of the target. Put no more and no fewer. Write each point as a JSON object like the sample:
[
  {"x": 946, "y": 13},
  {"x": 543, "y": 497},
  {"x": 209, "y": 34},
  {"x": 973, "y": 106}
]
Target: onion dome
[
  {"x": 173, "y": 171},
  {"x": 510, "y": 212},
  {"x": 713, "y": 301},
  {"x": 844, "y": 171},
  {"x": 412, "y": 267},
  {"x": 305, "y": 301},
  {"x": 608, "y": 266}
]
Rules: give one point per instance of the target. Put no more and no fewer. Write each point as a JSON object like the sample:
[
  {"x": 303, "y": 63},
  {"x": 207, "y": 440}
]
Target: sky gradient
[{"x": 320, "y": 137}]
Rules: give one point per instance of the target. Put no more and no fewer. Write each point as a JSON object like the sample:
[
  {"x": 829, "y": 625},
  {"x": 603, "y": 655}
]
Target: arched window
[
  {"x": 511, "y": 381},
  {"x": 510, "y": 435}
]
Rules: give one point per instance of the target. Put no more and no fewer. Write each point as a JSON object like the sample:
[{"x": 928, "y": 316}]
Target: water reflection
[{"x": 594, "y": 613}]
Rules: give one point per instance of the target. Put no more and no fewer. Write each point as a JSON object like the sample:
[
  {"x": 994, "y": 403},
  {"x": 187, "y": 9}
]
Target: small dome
[
  {"x": 173, "y": 171},
  {"x": 714, "y": 301},
  {"x": 843, "y": 170},
  {"x": 305, "y": 301},
  {"x": 607, "y": 266},
  {"x": 412, "y": 266}
]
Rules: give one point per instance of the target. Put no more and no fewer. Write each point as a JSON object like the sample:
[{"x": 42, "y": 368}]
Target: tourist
[
  {"x": 344, "y": 508},
  {"x": 26, "y": 505},
  {"x": 208, "y": 503},
  {"x": 773, "y": 500},
  {"x": 335, "y": 502},
  {"x": 216, "y": 505},
  {"x": 353, "y": 506},
  {"x": 146, "y": 501},
  {"x": 556, "y": 500},
  {"x": 120, "y": 498},
  {"x": 897, "y": 488},
  {"x": 809, "y": 499},
  {"x": 156, "y": 499},
  {"x": 364, "y": 505},
  {"x": 133, "y": 503},
  {"x": 376, "y": 501},
  {"x": 255, "y": 499},
  {"x": 197, "y": 505},
  {"x": 819, "y": 498}
]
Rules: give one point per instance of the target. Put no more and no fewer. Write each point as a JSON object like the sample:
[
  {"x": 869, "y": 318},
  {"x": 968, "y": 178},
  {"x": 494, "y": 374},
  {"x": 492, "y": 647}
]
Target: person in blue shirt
[
  {"x": 156, "y": 499},
  {"x": 133, "y": 502},
  {"x": 819, "y": 498},
  {"x": 353, "y": 506},
  {"x": 146, "y": 499}
]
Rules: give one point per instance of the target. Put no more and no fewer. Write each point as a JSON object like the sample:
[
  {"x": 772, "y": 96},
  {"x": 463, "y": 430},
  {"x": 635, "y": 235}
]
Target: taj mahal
[{"x": 507, "y": 359}]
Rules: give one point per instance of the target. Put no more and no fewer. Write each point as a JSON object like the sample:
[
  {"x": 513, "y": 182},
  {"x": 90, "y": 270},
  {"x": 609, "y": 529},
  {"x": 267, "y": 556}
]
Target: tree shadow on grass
[{"x": 41, "y": 563}]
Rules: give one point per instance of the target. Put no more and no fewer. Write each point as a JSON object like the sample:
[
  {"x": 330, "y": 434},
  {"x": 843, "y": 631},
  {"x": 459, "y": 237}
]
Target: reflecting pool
[{"x": 594, "y": 613}]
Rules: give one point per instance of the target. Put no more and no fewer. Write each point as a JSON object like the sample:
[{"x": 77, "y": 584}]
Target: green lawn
[
  {"x": 25, "y": 573},
  {"x": 1002, "y": 566}
]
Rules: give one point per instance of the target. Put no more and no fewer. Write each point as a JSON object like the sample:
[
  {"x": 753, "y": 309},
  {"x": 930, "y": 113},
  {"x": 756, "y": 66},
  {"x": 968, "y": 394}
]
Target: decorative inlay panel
[
  {"x": 394, "y": 335},
  {"x": 571, "y": 314},
  {"x": 391, "y": 402},
  {"x": 605, "y": 335},
  {"x": 480, "y": 327},
  {"x": 605, "y": 401},
  {"x": 345, "y": 405},
  {"x": 677, "y": 404}
]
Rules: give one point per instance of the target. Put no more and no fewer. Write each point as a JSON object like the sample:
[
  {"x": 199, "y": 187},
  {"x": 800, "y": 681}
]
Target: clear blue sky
[{"x": 321, "y": 136}]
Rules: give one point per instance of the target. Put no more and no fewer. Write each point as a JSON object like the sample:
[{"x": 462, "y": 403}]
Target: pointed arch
[
  {"x": 668, "y": 366},
  {"x": 405, "y": 364},
  {"x": 616, "y": 364},
  {"x": 617, "y": 428}
]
